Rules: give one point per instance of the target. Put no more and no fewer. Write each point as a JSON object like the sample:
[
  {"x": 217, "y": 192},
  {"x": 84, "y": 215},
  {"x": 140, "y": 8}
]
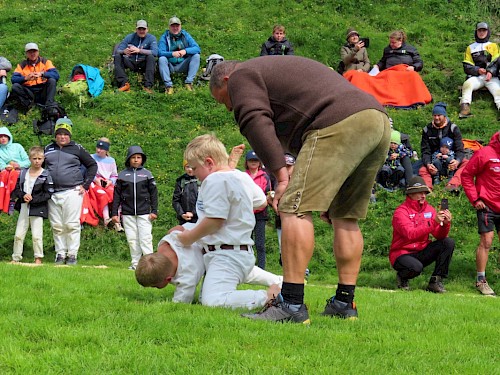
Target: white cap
[
  {"x": 30, "y": 46},
  {"x": 142, "y": 24},
  {"x": 174, "y": 20}
]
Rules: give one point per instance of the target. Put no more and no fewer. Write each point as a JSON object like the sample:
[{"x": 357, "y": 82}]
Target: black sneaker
[
  {"x": 340, "y": 309},
  {"x": 402, "y": 283},
  {"x": 276, "y": 311},
  {"x": 60, "y": 259},
  {"x": 71, "y": 261}
]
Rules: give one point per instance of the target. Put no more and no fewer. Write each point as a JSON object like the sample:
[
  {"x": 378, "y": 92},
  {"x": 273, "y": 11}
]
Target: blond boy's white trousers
[{"x": 24, "y": 222}]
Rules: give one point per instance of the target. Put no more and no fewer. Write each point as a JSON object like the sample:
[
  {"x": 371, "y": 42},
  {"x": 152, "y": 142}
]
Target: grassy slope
[{"x": 84, "y": 32}]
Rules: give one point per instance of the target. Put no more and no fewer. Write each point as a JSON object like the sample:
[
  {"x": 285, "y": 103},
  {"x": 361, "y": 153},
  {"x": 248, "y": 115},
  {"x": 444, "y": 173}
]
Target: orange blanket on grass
[{"x": 393, "y": 87}]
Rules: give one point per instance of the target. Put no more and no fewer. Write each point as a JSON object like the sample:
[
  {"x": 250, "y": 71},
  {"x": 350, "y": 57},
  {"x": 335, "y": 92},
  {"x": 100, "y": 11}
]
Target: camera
[
  {"x": 366, "y": 41},
  {"x": 444, "y": 204}
]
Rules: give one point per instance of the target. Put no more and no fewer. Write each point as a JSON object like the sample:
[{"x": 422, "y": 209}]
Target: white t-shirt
[
  {"x": 190, "y": 268},
  {"x": 231, "y": 196}
]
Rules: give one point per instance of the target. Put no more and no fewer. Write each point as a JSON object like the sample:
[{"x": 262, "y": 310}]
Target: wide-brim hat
[
  {"x": 350, "y": 33},
  {"x": 417, "y": 185}
]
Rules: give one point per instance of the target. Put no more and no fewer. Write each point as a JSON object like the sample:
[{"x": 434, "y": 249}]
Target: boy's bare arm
[{"x": 207, "y": 226}]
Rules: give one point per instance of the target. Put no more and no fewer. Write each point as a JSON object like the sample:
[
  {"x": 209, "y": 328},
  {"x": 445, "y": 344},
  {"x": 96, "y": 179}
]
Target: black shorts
[{"x": 488, "y": 220}]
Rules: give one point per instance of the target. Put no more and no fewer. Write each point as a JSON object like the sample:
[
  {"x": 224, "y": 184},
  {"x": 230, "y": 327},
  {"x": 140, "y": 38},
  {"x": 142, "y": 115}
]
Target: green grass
[
  {"x": 85, "y": 320},
  {"x": 88, "y": 321}
]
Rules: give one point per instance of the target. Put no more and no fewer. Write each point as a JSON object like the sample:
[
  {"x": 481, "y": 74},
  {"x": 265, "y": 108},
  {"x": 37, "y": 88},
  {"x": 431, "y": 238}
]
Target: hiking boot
[
  {"x": 131, "y": 267},
  {"x": 464, "y": 110},
  {"x": 60, "y": 259},
  {"x": 71, "y": 261},
  {"x": 276, "y": 311},
  {"x": 149, "y": 90},
  {"x": 340, "y": 309},
  {"x": 436, "y": 285},
  {"x": 483, "y": 288},
  {"x": 169, "y": 90},
  {"x": 189, "y": 86},
  {"x": 125, "y": 87},
  {"x": 402, "y": 283}
]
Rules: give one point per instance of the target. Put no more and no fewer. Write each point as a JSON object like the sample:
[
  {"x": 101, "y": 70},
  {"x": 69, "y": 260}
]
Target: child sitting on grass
[
  {"x": 104, "y": 182},
  {"x": 441, "y": 160},
  {"x": 226, "y": 200},
  {"x": 277, "y": 44},
  {"x": 33, "y": 190},
  {"x": 136, "y": 191},
  {"x": 392, "y": 172}
]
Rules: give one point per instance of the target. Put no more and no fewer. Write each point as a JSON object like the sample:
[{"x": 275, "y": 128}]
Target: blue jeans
[
  {"x": 189, "y": 66},
  {"x": 4, "y": 90}
]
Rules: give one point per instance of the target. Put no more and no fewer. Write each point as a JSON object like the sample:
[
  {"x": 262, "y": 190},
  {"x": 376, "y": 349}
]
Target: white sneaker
[{"x": 483, "y": 288}]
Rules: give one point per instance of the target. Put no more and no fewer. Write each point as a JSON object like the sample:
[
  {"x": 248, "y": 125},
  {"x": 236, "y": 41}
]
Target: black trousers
[
  {"x": 148, "y": 65},
  {"x": 26, "y": 96},
  {"x": 412, "y": 265}
]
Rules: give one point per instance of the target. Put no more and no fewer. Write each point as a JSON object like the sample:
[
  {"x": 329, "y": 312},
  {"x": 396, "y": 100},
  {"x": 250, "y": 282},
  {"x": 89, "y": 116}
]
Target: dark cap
[{"x": 417, "y": 185}]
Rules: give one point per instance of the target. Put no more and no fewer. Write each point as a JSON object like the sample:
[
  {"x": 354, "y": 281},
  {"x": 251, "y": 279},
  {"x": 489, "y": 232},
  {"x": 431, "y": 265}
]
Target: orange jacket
[{"x": 42, "y": 65}]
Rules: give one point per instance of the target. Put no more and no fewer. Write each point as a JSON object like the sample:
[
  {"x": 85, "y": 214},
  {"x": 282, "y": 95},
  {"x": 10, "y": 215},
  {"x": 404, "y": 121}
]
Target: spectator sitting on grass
[
  {"x": 442, "y": 158},
  {"x": 277, "y": 44},
  {"x": 391, "y": 176}
]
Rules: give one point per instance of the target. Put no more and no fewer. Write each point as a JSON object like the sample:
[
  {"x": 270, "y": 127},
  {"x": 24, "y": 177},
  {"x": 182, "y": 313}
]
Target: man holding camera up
[{"x": 411, "y": 248}]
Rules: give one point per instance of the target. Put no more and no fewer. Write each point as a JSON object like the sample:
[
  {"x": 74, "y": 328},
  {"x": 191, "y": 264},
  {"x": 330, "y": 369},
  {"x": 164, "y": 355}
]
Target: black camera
[{"x": 366, "y": 41}]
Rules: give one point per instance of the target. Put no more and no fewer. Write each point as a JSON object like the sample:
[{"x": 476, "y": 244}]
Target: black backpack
[
  {"x": 212, "y": 60},
  {"x": 50, "y": 113}
]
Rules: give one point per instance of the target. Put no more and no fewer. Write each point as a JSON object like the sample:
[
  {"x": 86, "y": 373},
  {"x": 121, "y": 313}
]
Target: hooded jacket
[
  {"x": 42, "y": 190},
  {"x": 412, "y": 224},
  {"x": 165, "y": 47},
  {"x": 479, "y": 54},
  {"x": 484, "y": 167},
  {"x": 94, "y": 79},
  {"x": 12, "y": 152},
  {"x": 135, "y": 188}
]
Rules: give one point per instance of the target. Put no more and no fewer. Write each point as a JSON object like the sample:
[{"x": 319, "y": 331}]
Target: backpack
[
  {"x": 50, "y": 114},
  {"x": 212, "y": 60}
]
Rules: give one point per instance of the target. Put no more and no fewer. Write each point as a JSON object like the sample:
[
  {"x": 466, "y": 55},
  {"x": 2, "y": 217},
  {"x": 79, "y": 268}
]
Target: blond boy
[{"x": 33, "y": 190}]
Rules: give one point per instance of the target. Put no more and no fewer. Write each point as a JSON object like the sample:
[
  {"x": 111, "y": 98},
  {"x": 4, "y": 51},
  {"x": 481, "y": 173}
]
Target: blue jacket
[
  {"x": 165, "y": 47},
  {"x": 12, "y": 152},
  {"x": 94, "y": 79},
  {"x": 147, "y": 44}
]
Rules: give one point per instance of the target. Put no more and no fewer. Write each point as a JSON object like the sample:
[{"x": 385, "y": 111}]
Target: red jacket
[
  {"x": 411, "y": 226},
  {"x": 262, "y": 179},
  {"x": 484, "y": 166}
]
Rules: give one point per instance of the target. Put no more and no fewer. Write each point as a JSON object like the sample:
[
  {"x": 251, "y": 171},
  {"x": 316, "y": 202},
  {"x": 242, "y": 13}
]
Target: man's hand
[
  {"x": 116, "y": 219},
  {"x": 488, "y": 76},
  {"x": 410, "y": 68},
  {"x": 479, "y": 205},
  {"x": 432, "y": 169},
  {"x": 453, "y": 165},
  {"x": 153, "y": 217},
  {"x": 481, "y": 71},
  {"x": 82, "y": 190}
]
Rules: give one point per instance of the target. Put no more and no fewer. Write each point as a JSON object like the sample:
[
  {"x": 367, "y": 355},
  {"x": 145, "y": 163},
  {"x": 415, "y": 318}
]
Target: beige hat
[
  {"x": 141, "y": 24},
  {"x": 31, "y": 46},
  {"x": 350, "y": 33},
  {"x": 174, "y": 20}
]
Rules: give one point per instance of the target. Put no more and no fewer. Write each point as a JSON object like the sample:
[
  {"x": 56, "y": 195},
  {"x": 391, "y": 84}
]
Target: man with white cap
[
  {"x": 477, "y": 57},
  {"x": 63, "y": 160},
  {"x": 34, "y": 80},
  {"x": 179, "y": 53},
  {"x": 137, "y": 51}
]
